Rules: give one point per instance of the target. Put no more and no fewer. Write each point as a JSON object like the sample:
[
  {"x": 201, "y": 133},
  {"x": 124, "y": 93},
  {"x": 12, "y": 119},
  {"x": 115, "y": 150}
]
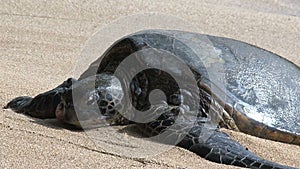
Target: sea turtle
[{"x": 227, "y": 83}]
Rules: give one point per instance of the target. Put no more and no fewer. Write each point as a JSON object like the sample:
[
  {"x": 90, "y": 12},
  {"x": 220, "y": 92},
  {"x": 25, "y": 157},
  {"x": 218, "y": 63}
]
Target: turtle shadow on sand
[
  {"x": 237, "y": 86},
  {"x": 55, "y": 124}
]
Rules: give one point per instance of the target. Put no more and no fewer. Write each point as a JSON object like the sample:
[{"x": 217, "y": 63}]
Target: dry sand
[{"x": 40, "y": 44}]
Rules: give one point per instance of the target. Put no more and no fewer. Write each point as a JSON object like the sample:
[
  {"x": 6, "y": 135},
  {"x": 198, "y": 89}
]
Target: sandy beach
[{"x": 41, "y": 43}]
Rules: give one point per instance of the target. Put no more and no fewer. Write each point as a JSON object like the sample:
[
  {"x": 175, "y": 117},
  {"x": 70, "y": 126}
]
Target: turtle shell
[{"x": 254, "y": 90}]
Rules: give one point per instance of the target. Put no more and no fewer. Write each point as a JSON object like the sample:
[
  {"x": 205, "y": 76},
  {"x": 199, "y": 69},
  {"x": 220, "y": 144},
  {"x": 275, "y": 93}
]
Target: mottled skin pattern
[{"x": 218, "y": 146}]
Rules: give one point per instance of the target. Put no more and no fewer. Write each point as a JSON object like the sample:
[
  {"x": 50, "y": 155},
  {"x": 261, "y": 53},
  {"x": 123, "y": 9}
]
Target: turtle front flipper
[
  {"x": 19, "y": 104},
  {"x": 41, "y": 106},
  {"x": 220, "y": 148}
]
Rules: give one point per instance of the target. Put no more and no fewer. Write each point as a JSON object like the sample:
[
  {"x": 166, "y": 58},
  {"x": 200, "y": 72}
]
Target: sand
[{"x": 41, "y": 42}]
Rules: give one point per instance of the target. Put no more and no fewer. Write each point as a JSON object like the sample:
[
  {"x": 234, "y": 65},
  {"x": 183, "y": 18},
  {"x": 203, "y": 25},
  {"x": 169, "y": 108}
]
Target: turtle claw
[{"x": 19, "y": 104}]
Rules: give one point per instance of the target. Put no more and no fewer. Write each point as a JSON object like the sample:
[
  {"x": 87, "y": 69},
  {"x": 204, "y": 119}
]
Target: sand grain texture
[{"x": 40, "y": 44}]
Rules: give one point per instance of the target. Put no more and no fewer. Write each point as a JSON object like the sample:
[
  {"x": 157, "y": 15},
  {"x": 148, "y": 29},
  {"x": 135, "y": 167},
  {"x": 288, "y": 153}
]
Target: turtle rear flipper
[
  {"x": 42, "y": 106},
  {"x": 220, "y": 148}
]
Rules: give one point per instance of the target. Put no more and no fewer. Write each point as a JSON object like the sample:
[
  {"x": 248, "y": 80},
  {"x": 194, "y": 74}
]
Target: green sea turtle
[{"x": 235, "y": 85}]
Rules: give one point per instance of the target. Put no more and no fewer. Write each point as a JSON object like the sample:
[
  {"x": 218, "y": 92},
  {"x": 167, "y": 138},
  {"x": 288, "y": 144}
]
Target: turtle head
[{"x": 91, "y": 101}]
